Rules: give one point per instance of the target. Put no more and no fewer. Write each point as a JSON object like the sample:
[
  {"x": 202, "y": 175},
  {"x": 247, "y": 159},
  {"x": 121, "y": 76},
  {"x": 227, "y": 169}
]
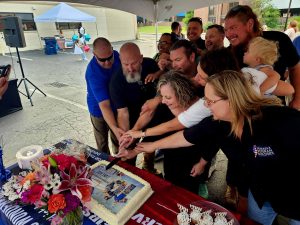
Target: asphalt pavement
[{"x": 63, "y": 113}]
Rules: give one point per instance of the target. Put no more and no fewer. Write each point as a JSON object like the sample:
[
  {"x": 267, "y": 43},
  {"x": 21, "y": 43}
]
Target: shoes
[
  {"x": 203, "y": 191},
  {"x": 231, "y": 196},
  {"x": 159, "y": 155}
]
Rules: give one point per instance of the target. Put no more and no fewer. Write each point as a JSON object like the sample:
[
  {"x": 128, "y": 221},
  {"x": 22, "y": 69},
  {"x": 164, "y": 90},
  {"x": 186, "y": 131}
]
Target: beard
[{"x": 132, "y": 77}]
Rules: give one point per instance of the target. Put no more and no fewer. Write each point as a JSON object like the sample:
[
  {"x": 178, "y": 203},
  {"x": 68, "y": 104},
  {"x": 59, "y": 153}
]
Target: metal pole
[
  {"x": 287, "y": 16},
  {"x": 156, "y": 25}
]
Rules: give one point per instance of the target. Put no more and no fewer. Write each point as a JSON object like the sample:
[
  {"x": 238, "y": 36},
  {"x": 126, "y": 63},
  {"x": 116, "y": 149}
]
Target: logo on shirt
[{"x": 260, "y": 151}]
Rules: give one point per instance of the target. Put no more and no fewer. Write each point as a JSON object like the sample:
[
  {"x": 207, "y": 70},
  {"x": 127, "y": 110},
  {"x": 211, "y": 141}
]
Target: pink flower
[
  {"x": 56, "y": 220},
  {"x": 33, "y": 194},
  {"x": 76, "y": 178}
]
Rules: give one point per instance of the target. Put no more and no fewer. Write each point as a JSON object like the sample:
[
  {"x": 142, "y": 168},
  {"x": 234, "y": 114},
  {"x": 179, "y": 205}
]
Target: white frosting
[{"x": 132, "y": 205}]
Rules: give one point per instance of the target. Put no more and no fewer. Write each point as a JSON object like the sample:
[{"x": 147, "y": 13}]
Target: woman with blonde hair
[{"x": 268, "y": 133}]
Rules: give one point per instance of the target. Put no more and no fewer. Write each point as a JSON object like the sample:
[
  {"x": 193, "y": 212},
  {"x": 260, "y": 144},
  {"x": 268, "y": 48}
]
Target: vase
[{"x": 74, "y": 217}]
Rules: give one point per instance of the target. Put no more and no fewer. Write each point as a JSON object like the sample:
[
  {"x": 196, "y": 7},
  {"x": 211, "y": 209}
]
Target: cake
[{"x": 117, "y": 193}]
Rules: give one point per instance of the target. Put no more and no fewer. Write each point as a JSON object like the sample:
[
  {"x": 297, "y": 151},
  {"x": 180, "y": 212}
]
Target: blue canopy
[{"x": 64, "y": 13}]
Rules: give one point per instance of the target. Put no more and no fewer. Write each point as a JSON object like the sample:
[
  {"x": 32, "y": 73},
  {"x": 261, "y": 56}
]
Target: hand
[
  {"x": 295, "y": 104},
  {"x": 151, "y": 77},
  {"x": 3, "y": 86},
  {"x": 125, "y": 141},
  {"x": 197, "y": 169},
  {"x": 126, "y": 154},
  {"x": 150, "y": 106},
  {"x": 147, "y": 147},
  {"x": 118, "y": 132},
  {"x": 134, "y": 133},
  {"x": 164, "y": 64}
]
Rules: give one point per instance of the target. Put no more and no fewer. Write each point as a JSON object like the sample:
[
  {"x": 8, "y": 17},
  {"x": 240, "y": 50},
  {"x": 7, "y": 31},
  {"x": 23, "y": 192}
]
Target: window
[
  {"x": 211, "y": 10},
  {"x": 27, "y": 19},
  {"x": 67, "y": 26}
]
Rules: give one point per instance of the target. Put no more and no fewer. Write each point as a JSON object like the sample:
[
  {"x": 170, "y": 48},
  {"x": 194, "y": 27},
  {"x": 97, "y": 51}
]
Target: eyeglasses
[
  {"x": 109, "y": 59},
  {"x": 209, "y": 102}
]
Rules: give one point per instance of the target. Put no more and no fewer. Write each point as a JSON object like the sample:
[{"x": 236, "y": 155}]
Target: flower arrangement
[{"x": 59, "y": 183}]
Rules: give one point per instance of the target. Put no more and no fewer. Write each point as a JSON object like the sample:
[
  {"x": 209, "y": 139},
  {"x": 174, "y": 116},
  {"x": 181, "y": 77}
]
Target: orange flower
[
  {"x": 29, "y": 176},
  {"x": 86, "y": 192},
  {"x": 56, "y": 202}
]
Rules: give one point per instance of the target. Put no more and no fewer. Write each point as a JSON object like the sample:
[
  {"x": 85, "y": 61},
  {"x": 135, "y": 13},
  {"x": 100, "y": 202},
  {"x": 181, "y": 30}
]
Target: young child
[
  {"x": 261, "y": 55},
  {"x": 78, "y": 50}
]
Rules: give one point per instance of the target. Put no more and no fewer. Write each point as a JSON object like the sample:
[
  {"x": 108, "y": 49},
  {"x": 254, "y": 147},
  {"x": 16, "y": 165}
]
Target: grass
[{"x": 151, "y": 29}]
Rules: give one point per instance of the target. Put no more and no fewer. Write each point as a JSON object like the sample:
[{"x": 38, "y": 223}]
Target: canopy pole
[
  {"x": 287, "y": 15},
  {"x": 156, "y": 23},
  {"x": 97, "y": 29}
]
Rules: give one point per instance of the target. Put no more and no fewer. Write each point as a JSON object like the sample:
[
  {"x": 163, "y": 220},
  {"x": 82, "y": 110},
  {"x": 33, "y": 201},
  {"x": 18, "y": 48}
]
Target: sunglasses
[{"x": 109, "y": 59}]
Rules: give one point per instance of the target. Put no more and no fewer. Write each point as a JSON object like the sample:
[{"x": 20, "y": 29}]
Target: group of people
[{"x": 196, "y": 97}]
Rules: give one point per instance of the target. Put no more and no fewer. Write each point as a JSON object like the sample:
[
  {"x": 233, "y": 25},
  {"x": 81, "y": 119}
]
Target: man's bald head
[
  {"x": 130, "y": 49},
  {"x": 131, "y": 60},
  {"x": 102, "y": 49}
]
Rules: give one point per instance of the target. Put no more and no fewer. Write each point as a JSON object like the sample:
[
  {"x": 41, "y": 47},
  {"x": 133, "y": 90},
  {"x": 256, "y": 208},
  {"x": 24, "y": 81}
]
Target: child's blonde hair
[{"x": 266, "y": 50}]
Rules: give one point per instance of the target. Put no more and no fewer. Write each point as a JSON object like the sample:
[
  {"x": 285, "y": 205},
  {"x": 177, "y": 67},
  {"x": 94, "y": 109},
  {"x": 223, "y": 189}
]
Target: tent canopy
[
  {"x": 154, "y": 10},
  {"x": 64, "y": 13}
]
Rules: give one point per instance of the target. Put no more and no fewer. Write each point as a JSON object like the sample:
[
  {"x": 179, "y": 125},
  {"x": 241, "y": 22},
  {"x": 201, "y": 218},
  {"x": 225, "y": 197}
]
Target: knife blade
[{"x": 112, "y": 163}]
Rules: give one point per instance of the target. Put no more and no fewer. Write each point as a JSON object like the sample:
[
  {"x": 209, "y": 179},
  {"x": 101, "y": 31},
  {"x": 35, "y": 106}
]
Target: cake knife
[{"x": 116, "y": 160}]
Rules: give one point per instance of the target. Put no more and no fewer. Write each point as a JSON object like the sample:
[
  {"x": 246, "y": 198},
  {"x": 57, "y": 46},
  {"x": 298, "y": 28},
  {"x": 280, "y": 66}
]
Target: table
[
  {"x": 10, "y": 101},
  {"x": 160, "y": 208}
]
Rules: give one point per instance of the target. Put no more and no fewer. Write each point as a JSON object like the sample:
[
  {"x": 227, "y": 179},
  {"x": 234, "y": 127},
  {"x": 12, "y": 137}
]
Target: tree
[
  {"x": 188, "y": 16},
  {"x": 266, "y": 12}
]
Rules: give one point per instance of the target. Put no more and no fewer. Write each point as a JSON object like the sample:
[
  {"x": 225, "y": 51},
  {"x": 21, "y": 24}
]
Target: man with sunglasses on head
[{"x": 98, "y": 75}]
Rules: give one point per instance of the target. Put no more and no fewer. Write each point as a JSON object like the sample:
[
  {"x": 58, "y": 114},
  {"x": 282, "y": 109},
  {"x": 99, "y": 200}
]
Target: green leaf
[{"x": 52, "y": 162}]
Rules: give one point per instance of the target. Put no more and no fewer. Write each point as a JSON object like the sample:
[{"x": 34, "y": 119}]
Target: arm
[
  {"x": 283, "y": 89},
  {"x": 123, "y": 119},
  {"x": 176, "y": 140},
  {"x": 198, "y": 168},
  {"x": 109, "y": 118},
  {"x": 295, "y": 81},
  {"x": 171, "y": 125},
  {"x": 153, "y": 76},
  {"x": 272, "y": 79},
  {"x": 150, "y": 106}
]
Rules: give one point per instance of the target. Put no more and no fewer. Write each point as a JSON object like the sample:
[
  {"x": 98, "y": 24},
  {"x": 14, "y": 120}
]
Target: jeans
[{"x": 265, "y": 215}]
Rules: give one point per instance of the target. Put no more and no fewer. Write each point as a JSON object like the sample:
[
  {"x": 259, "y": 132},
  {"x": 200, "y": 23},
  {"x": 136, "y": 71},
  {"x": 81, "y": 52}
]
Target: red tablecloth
[{"x": 161, "y": 207}]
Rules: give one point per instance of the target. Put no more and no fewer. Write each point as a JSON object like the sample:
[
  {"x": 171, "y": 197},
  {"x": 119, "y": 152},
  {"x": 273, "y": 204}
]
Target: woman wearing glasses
[{"x": 268, "y": 133}]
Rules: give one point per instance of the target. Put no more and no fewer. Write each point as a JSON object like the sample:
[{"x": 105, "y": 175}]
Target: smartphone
[{"x": 5, "y": 71}]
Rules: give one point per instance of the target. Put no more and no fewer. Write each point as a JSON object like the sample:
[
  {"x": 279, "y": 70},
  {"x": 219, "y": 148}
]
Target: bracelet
[{"x": 143, "y": 134}]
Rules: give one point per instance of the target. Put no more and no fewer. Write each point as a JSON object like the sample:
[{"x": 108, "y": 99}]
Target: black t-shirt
[
  {"x": 200, "y": 43},
  {"x": 272, "y": 152},
  {"x": 133, "y": 95},
  {"x": 288, "y": 56}
]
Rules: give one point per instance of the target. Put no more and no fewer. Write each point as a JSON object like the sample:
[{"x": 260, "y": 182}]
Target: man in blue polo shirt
[{"x": 98, "y": 74}]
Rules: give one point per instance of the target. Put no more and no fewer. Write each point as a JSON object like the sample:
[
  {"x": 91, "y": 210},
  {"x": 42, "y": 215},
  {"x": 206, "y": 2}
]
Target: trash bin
[{"x": 50, "y": 45}]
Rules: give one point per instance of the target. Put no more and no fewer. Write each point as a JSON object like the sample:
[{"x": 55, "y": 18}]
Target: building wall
[{"x": 113, "y": 24}]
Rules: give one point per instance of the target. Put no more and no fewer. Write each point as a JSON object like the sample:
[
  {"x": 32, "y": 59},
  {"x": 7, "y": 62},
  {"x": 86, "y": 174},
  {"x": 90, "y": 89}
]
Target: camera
[{"x": 5, "y": 70}]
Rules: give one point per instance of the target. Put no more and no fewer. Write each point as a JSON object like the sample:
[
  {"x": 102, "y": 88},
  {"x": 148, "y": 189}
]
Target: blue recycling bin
[{"x": 50, "y": 45}]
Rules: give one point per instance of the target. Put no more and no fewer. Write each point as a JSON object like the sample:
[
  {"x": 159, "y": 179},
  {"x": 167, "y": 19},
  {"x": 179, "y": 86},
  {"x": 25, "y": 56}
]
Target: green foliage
[
  {"x": 188, "y": 16},
  {"x": 270, "y": 17},
  {"x": 206, "y": 25},
  {"x": 266, "y": 13}
]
